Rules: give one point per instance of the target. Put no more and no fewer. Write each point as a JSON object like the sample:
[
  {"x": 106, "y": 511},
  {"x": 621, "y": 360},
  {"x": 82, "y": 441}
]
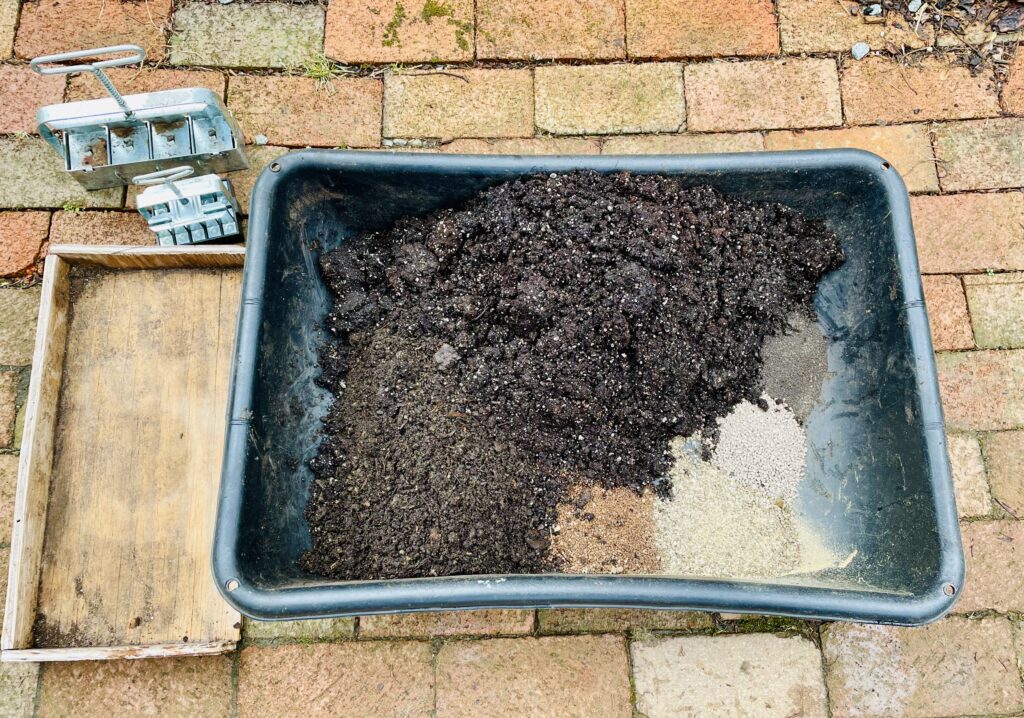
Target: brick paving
[{"x": 580, "y": 76}]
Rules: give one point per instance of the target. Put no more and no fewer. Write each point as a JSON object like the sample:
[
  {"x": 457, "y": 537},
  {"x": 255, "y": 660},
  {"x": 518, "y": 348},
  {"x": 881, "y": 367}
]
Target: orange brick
[
  {"x": 51, "y": 26},
  {"x": 683, "y": 144},
  {"x": 982, "y": 390},
  {"x": 1013, "y": 89},
  {"x": 22, "y": 235},
  {"x": 526, "y": 146},
  {"x": 947, "y": 312},
  {"x": 984, "y": 154},
  {"x": 877, "y": 89},
  {"x": 969, "y": 232},
  {"x": 511, "y": 677},
  {"x": 132, "y": 80},
  {"x": 375, "y": 678},
  {"x": 22, "y": 92},
  {"x": 762, "y": 94},
  {"x": 907, "y": 147},
  {"x": 550, "y": 29},
  {"x": 299, "y": 111},
  {"x": 995, "y": 566},
  {"x": 399, "y": 31},
  {"x": 101, "y": 228},
  {"x": 700, "y": 28},
  {"x": 831, "y": 26},
  {"x": 186, "y": 687},
  {"x": 604, "y": 99},
  {"x": 448, "y": 623},
  {"x": 463, "y": 103},
  {"x": 1005, "y": 454}
]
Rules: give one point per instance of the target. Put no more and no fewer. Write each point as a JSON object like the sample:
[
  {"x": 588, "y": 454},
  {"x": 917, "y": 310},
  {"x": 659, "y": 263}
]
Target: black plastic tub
[{"x": 878, "y": 473}]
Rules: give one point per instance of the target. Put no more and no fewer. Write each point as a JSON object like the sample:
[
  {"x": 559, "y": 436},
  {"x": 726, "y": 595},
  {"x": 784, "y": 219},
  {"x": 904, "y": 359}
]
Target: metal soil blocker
[
  {"x": 107, "y": 142},
  {"x": 187, "y": 210}
]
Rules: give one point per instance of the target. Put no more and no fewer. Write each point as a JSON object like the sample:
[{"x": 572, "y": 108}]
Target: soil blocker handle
[
  {"x": 135, "y": 54},
  {"x": 163, "y": 176}
]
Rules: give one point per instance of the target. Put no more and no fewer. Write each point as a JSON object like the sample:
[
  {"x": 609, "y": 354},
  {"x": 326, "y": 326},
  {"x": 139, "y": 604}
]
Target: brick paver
[
  {"x": 983, "y": 154},
  {"x": 762, "y": 95},
  {"x": 18, "y": 311},
  {"x": 101, "y": 228},
  {"x": 1004, "y": 452},
  {"x": 22, "y": 92},
  {"x": 34, "y": 176},
  {"x": 947, "y": 312},
  {"x": 997, "y": 309},
  {"x": 982, "y": 390},
  {"x": 346, "y": 679},
  {"x": 17, "y": 682},
  {"x": 22, "y": 235},
  {"x": 300, "y": 111},
  {"x": 525, "y": 146},
  {"x": 1013, "y": 88},
  {"x": 951, "y": 668},
  {"x": 830, "y": 26},
  {"x": 8, "y": 395},
  {"x": 133, "y": 80},
  {"x": 700, "y": 28},
  {"x": 968, "y": 465},
  {"x": 906, "y": 147},
  {"x": 185, "y": 687},
  {"x": 511, "y": 677},
  {"x": 8, "y": 482},
  {"x": 755, "y": 675},
  {"x": 605, "y": 99},
  {"x": 448, "y": 623},
  {"x": 969, "y": 232},
  {"x": 684, "y": 144},
  {"x": 465, "y": 103},
  {"x": 399, "y": 31},
  {"x": 878, "y": 89},
  {"x": 8, "y": 25},
  {"x": 322, "y": 629},
  {"x": 50, "y": 26},
  {"x": 554, "y": 29},
  {"x": 608, "y": 620},
  {"x": 995, "y": 567},
  {"x": 244, "y": 35}
]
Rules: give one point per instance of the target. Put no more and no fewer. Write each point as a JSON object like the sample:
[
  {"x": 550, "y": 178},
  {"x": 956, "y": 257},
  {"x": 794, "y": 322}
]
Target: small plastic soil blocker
[
  {"x": 107, "y": 142},
  {"x": 187, "y": 210}
]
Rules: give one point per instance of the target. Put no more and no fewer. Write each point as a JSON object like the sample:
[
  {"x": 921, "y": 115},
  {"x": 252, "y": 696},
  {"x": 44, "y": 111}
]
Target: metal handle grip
[
  {"x": 137, "y": 54},
  {"x": 163, "y": 176}
]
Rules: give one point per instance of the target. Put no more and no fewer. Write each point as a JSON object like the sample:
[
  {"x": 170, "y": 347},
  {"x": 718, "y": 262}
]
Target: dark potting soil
[{"x": 551, "y": 331}]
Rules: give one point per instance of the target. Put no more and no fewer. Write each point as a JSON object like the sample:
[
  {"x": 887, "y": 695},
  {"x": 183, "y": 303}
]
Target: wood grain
[
  {"x": 37, "y": 448},
  {"x": 136, "y": 467}
]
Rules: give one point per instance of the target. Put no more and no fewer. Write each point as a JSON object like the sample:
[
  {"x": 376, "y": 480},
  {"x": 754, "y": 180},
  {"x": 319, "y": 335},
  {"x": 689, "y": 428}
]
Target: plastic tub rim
[{"x": 590, "y": 591}]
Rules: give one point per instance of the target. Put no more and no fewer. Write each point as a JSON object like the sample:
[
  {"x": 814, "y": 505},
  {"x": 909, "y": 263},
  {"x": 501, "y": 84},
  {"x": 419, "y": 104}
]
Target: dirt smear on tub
[{"x": 552, "y": 333}]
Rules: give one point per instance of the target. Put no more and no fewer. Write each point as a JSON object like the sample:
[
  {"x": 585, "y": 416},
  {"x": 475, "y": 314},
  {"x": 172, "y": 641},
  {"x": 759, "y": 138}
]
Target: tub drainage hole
[
  {"x": 949, "y": 589},
  {"x": 232, "y": 584}
]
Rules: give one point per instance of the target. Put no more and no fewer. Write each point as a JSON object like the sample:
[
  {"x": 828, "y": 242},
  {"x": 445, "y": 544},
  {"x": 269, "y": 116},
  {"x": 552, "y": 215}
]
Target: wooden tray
[{"x": 121, "y": 456}]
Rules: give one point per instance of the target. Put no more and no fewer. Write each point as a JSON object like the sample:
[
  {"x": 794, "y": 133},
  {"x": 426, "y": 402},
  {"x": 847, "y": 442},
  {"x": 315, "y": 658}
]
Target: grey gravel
[
  {"x": 860, "y": 50},
  {"x": 914, "y": 5},
  {"x": 795, "y": 365}
]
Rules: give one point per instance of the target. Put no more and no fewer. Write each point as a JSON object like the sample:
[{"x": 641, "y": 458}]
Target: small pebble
[
  {"x": 914, "y": 5},
  {"x": 446, "y": 356},
  {"x": 400, "y": 142},
  {"x": 387, "y": 143},
  {"x": 860, "y": 50},
  {"x": 873, "y": 10},
  {"x": 259, "y": 139}
]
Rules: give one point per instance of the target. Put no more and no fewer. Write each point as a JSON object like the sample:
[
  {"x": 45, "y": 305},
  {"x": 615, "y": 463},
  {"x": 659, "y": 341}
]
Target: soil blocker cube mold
[{"x": 878, "y": 475}]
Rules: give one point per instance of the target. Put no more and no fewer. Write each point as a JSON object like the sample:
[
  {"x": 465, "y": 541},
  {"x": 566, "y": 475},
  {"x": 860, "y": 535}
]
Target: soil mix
[{"x": 554, "y": 331}]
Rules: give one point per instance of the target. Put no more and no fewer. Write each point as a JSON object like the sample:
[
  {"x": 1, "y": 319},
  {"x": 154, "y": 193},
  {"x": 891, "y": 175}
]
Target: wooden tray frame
[{"x": 37, "y": 448}]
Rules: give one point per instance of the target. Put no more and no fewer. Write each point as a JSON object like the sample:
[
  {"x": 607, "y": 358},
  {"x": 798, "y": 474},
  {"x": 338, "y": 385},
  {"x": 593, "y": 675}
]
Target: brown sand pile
[{"x": 607, "y": 531}]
